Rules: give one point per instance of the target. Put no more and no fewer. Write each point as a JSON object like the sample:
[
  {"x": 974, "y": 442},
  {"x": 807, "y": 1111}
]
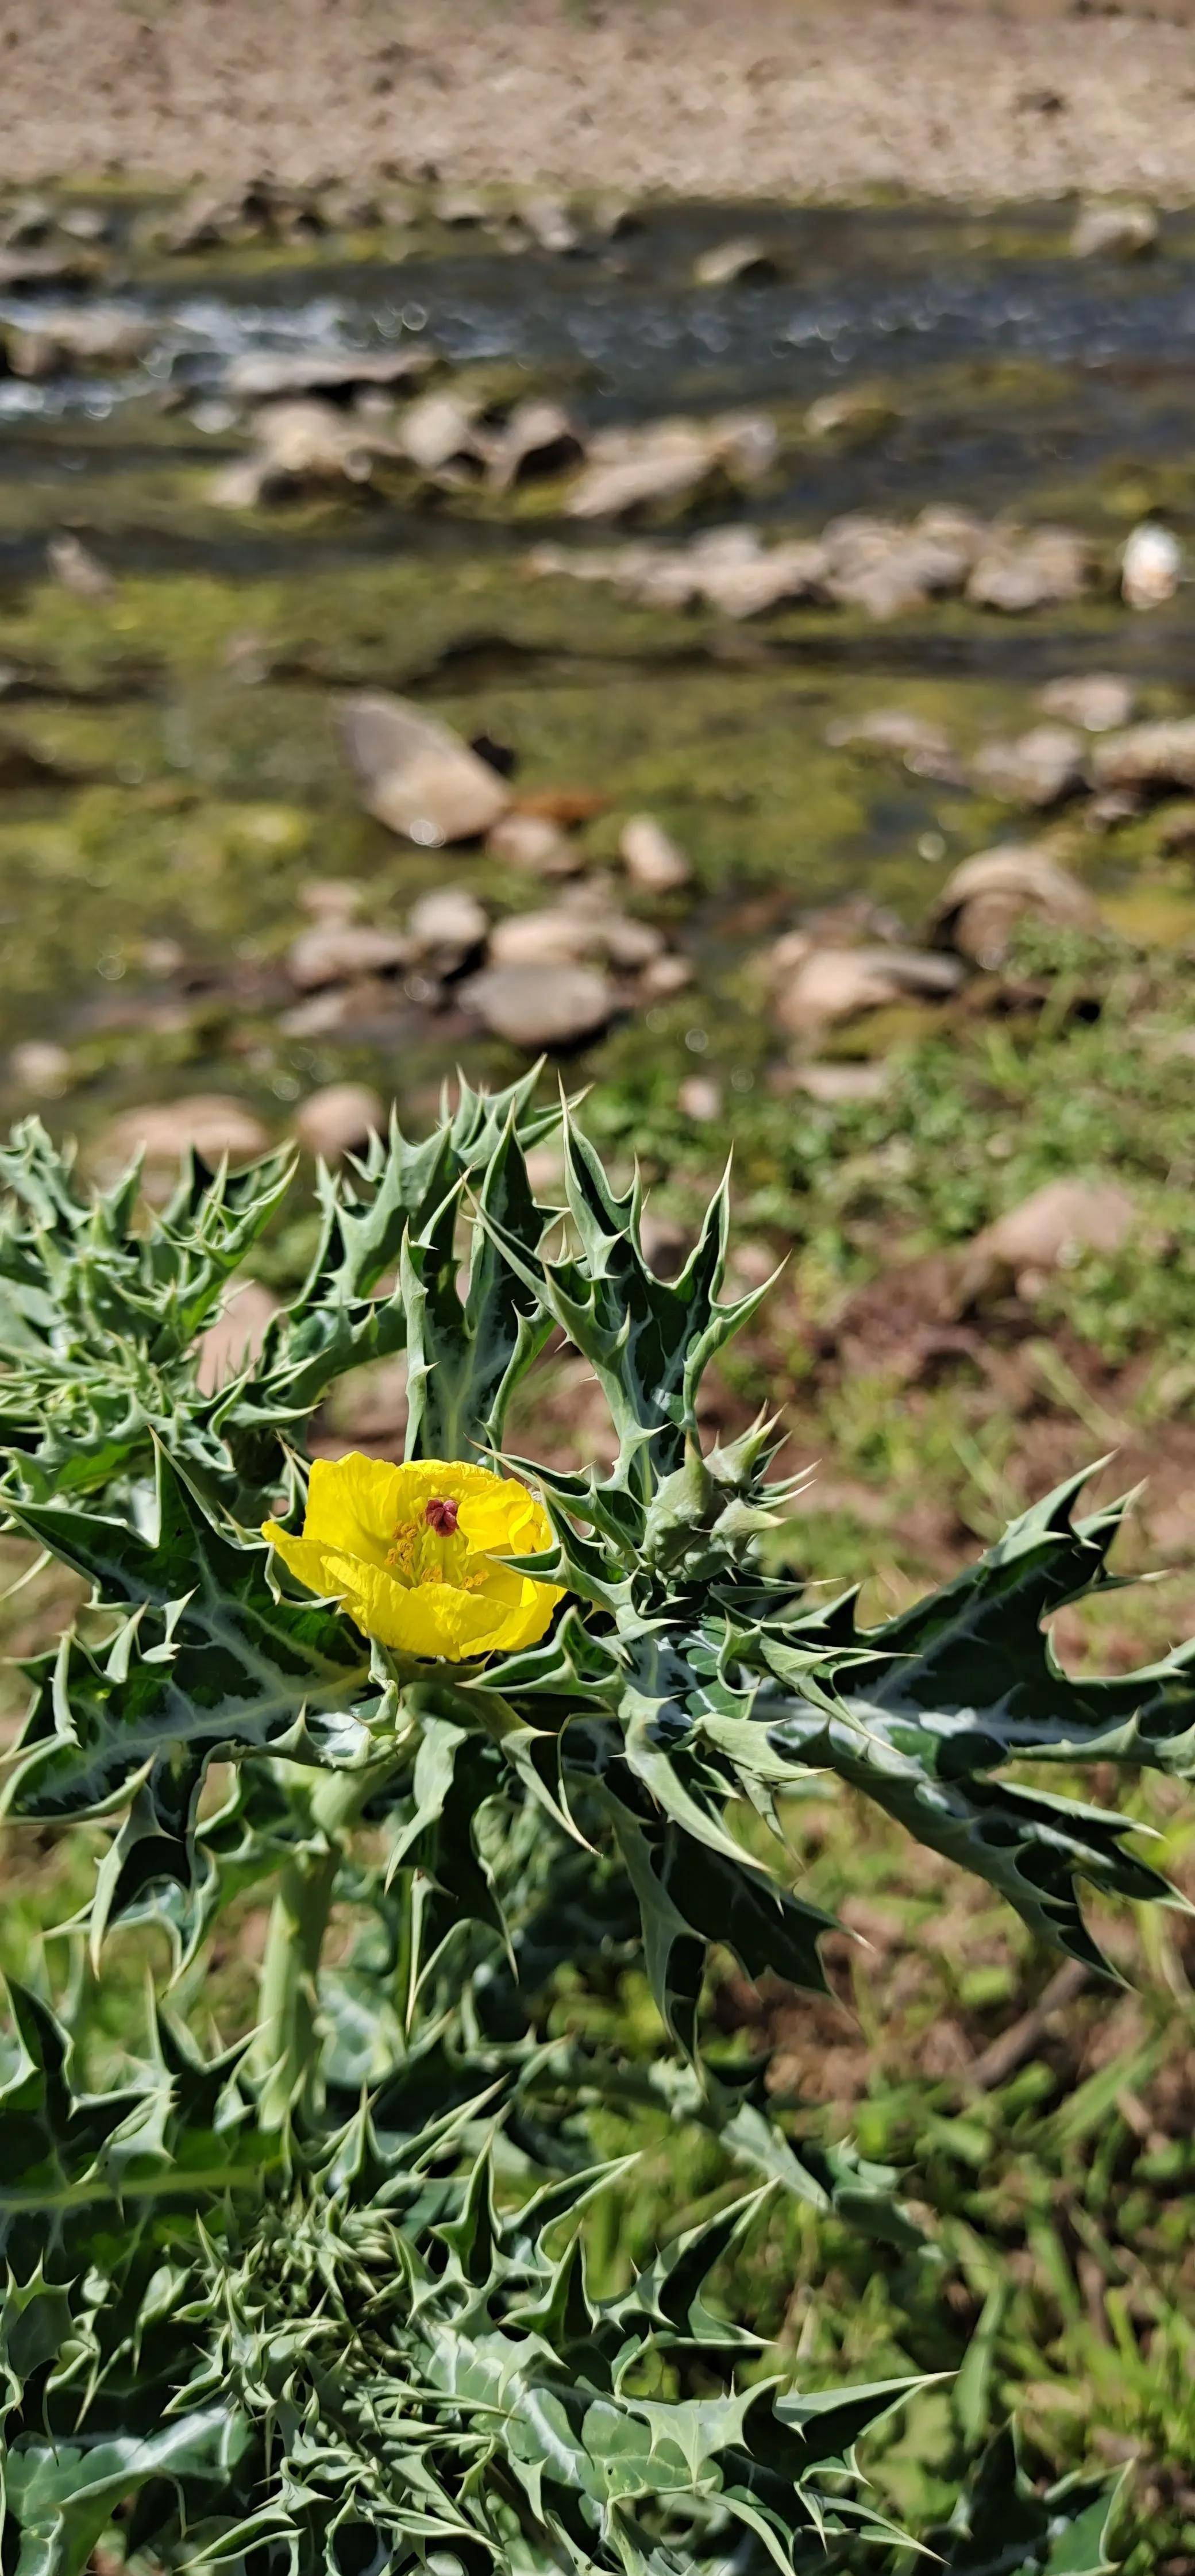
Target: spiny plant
[{"x": 328, "y": 2300}]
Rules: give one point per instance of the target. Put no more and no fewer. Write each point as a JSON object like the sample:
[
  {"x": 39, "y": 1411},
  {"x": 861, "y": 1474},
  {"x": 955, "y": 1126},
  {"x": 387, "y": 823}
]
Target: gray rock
[
  {"x": 1040, "y": 768},
  {"x": 735, "y": 262},
  {"x": 236, "y": 1338},
  {"x": 41, "y": 1068},
  {"x": 828, "y": 985},
  {"x": 210, "y": 1123},
  {"x": 1047, "y": 1232},
  {"x": 447, "y": 927},
  {"x": 549, "y": 223},
  {"x": 699, "y": 1097},
  {"x": 1022, "y": 570},
  {"x": 834, "y": 1083},
  {"x": 74, "y": 565},
  {"x": 982, "y": 901},
  {"x": 884, "y": 568},
  {"x": 439, "y": 430},
  {"x": 69, "y": 338},
  {"x": 535, "y": 843},
  {"x": 263, "y": 375},
  {"x": 416, "y": 775},
  {"x": 1151, "y": 566},
  {"x": 924, "y": 747},
  {"x": 340, "y": 951},
  {"x": 1114, "y": 232},
  {"x": 1098, "y": 701},
  {"x": 339, "y": 1120},
  {"x": 542, "y": 1007},
  {"x": 1148, "y": 756},
  {"x": 628, "y": 469},
  {"x": 651, "y": 857},
  {"x": 301, "y": 443},
  {"x": 664, "y": 976},
  {"x": 538, "y": 438},
  {"x": 853, "y": 415}
]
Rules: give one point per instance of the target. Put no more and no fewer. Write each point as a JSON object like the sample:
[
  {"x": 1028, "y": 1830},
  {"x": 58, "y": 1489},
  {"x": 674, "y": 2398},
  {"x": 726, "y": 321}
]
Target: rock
[
  {"x": 85, "y": 223},
  {"x": 340, "y": 951},
  {"x": 924, "y": 747},
  {"x": 533, "y": 842},
  {"x": 538, "y": 438},
  {"x": 300, "y": 443},
  {"x": 41, "y": 1068},
  {"x": 983, "y": 900},
  {"x": 758, "y": 580},
  {"x": 68, "y": 337},
  {"x": 38, "y": 267},
  {"x": 1114, "y": 232},
  {"x": 340, "y": 1120},
  {"x": 209, "y": 1123},
  {"x": 416, "y": 775},
  {"x": 853, "y": 415},
  {"x": 1021, "y": 570},
  {"x": 1151, "y": 566},
  {"x": 628, "y": 469},
  {"x": 262, "y": 209},
  {"x": 439, "y": 430},
  {"x": 733, "y": 263},
  {"x": 663, "y": 976},
  {"x": 331, "y": 898},
  {"x": 832, "y": 984},
  {"x": 73, "y": 564},
  {"x": 267, "y": 375},
  {"x": 1040, "y": 768},
  {"x": 1048, "y": 1231},
  {"x": 460, "y": 208},
  {"x": 447, "y": 927},
  {"x": 883, "y": 568},
  {"x": 630, "y": 944},
  {"x": 1099, "y": 701},
  {"x": 1148, "y": 756},
  {"x": 237, "y": 1337},
  {"x": 550, "y": 225},
  {"x": 571, "y": 933},
  {"x": 835, "y": 1083},
  {"x": 699, "y": 1097},
  {"x": 651, "y": 858},
  {"x": 536, "y": 1008}
]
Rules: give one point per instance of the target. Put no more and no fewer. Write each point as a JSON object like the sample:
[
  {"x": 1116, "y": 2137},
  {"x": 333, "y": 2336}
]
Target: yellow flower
[{"x": 415, "y": 1553}]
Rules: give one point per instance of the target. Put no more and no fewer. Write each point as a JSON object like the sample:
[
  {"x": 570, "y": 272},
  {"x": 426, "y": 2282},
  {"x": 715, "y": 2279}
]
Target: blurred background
[{"x": 661, "y": 538}]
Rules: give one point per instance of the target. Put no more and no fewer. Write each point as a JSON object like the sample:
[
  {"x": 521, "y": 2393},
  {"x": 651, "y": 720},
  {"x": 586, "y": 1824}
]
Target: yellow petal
[
  {"x": 505, "y": 1520},
  {"x": 354, "y": 1503},
  {"x": 306, "y": 1557},
  {"x": 432, "y": 1620},
  {"x": 526, "y": 1621}
]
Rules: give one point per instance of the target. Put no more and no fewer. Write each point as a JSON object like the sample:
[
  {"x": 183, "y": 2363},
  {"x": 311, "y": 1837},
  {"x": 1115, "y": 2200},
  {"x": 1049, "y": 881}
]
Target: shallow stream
[{"x": 170, "y": 778}]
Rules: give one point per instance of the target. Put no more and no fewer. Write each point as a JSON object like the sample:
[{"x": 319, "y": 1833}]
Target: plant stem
[{"x": 286, "y": 2046}]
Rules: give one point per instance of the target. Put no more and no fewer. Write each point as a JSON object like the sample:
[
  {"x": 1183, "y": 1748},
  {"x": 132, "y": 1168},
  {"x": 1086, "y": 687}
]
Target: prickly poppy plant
[{"x": 329, "y": 2301}]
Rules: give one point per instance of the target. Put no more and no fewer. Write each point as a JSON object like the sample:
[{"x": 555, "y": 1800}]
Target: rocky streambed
[{"x": 438, "y": 628}]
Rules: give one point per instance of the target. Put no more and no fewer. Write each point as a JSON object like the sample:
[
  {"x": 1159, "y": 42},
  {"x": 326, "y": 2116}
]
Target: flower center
[{"x": 441, "y": 1513}]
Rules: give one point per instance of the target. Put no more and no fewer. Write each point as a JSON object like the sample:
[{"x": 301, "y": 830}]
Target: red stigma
[{"x": 441, "y": 1514}]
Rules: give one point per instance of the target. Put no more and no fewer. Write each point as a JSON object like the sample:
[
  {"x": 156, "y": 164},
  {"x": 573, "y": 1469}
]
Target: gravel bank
[{"x": 1021, "y": 98}]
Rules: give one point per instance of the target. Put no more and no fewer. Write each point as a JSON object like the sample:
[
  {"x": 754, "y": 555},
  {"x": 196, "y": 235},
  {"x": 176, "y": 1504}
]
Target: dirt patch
[{"x": 979, "y": 102}]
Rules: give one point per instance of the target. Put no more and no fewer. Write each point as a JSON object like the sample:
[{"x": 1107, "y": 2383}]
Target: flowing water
[{"x": 169, "y": 773}]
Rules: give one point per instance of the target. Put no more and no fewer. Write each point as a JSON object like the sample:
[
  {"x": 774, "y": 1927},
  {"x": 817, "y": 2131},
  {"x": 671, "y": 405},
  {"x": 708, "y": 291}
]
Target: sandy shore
[{"x": 715, "y": 97}]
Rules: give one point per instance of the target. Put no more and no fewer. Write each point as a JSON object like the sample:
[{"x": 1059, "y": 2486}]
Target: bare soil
[{"x": 1012, "y": 99}]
